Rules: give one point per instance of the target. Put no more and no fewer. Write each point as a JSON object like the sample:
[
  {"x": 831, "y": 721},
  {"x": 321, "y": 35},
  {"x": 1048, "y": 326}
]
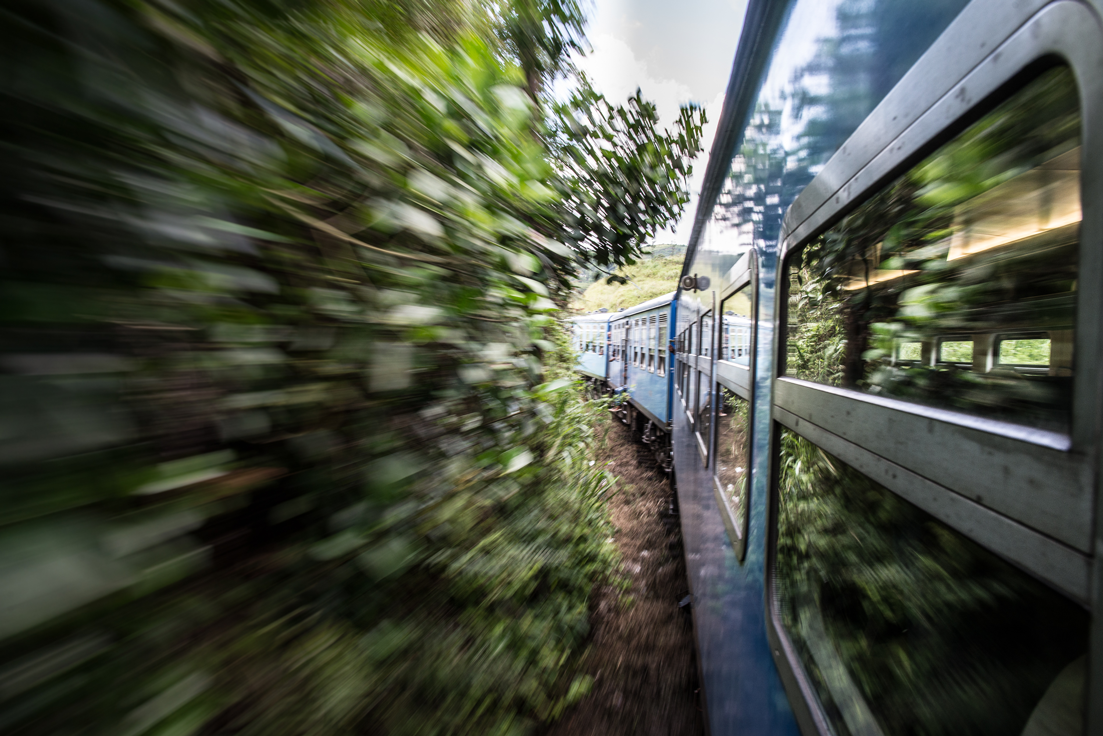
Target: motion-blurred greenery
[{"x": 289, "y": 436}]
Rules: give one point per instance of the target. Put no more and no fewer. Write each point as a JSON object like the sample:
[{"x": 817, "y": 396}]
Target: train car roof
[
  {"x": 592, "y": 317},
  {"x": 659, "y": 301}
]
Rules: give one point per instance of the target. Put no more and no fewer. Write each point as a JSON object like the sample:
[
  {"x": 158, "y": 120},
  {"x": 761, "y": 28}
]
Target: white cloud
[{"x": 615, "y": 71}]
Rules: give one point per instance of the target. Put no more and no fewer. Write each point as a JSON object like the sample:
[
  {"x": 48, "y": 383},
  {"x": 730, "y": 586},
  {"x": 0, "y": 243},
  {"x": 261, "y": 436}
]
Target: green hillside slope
[{"x": 646, "y": 280}]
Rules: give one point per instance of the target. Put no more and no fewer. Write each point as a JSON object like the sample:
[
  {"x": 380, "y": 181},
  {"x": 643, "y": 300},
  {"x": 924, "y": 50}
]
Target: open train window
[{"x": 983, "y": 233}]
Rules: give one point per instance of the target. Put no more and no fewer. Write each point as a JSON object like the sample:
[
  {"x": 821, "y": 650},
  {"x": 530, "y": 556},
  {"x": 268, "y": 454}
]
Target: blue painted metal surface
[
  {"x": 647, "y": 379},
  {"x": 811, "y": 72},
  {"x": 589, "y": 336}
]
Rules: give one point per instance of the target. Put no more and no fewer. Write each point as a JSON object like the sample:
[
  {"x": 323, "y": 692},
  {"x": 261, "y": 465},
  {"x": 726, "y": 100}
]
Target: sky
[{"x": 675, "y": 52}]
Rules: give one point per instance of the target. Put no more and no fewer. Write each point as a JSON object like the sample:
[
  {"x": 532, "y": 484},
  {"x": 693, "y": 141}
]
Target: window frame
[
  {"x": 738, "y": 379},
  {"x": 1032, "y": 500}
]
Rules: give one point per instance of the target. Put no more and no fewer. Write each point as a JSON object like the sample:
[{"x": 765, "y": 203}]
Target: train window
[
  {"x": 905, "y": 626},
  {"x": 910, "y": 351},
  {"x": 651, "y": 343},
  {"x": 691, "y": 391},
  {"x": 736, "y": 311},
  {"x": 702, "y": 407},
  {"x": 1028, "y": 352},
  {"x": 982, "y": 234},
  {"x": 733, "y": 456},
  {"x": 706, "y": 334},
  {"x": 955, "y": 351},
  {"x": 633, "y": 339},
  {"x": 660, "y": 368}
]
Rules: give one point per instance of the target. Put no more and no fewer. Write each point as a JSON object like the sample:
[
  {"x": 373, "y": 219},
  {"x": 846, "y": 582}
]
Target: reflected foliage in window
[
  {"x": 905, "y": 626},
  {"x": 956, "y": 351},
  {"x": 733, "y": 456},
  {"x": 910, "y": 351},
  {"x": 980, "y": 238},
  {"x": 1033, "y": 352}
]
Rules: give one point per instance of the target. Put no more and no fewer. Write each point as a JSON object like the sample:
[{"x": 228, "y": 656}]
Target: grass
[{"x": 646, "y": 280}]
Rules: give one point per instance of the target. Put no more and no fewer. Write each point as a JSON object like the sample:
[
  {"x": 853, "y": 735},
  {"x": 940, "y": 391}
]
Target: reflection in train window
[
  {"x": 735, "y": 337},
  {"x": 979, "y": 239},
  {"x": 733, "y": 456},
  {"x": 912, "y": 351},
  {"x": 691, "y": 398},
  {"x": 1032, "y": 352},
  {"x": 955, "y": 351},
  {"x": 903, "y": 625},
  {"x": 703, "y": 410},
  {"x": 706, "y": 334}
]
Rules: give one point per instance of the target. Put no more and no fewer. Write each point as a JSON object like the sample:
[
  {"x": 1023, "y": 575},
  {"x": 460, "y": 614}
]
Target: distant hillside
[{"x": 646, "y": 280}]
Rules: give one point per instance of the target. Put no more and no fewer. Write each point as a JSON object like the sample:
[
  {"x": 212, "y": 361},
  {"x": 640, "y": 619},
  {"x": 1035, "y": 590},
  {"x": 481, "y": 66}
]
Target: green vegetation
[
  {"x": 882, "y": 600},
  {"x": 1025, "y": 352},
  {"x": 637, "y": 283},
  {"x": 290, "y": 440}
]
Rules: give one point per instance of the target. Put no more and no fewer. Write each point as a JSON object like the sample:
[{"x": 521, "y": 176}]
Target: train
[{"x": 878, "y": 383}]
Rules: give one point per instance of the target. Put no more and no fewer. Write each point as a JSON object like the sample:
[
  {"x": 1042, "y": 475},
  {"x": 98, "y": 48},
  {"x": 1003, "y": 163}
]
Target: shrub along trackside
[{"x": 286, "y": 446}]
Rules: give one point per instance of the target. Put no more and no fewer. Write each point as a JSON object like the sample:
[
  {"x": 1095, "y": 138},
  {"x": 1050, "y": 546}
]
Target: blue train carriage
[
  {"x": 640, "y": 375},
  {"x": 887, "y": 420},
  {"x": 590, "y": 338}
]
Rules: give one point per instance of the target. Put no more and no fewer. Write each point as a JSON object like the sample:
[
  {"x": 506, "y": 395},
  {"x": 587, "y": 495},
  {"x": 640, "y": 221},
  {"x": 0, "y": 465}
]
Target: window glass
[
  {"x": 691, "y": 399},
  {"x": 733, "y": 454},
  {"x": 955, "y": 351},
  {"x": 706, "y": 334},
  {"x": 1032, "y": 352},
  {"x": 703, "y": 404},
  {"x": 906, "y": 627},
  {"x": 736, "y": 311},
  {"x": 980, "y": 238},
  {"x": 910, "y": 351}
]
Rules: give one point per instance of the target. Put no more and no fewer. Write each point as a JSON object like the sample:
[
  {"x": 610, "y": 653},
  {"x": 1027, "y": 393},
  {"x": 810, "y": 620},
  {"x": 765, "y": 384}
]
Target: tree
[{"x": 619, "y": 179}]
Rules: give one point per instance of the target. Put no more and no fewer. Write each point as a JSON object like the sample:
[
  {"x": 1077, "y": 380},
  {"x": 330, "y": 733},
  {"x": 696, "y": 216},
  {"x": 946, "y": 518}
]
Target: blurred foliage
[
  {"x": 621, "y": 179},
  {"x": 905, "y": 625},
  {"x": 289, "y": 433}
]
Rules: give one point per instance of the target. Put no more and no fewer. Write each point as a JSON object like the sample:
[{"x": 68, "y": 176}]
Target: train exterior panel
[
  {"x": 589, "y": 336},
  {"x": 640, "y": 357},
  {"x": 884, "y": 393},
  {"x": 842, "y": 205}
]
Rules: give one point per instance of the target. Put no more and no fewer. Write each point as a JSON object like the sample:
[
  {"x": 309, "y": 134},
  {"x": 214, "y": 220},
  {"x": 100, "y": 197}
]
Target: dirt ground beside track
[{"x": 642, "y": 653}]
